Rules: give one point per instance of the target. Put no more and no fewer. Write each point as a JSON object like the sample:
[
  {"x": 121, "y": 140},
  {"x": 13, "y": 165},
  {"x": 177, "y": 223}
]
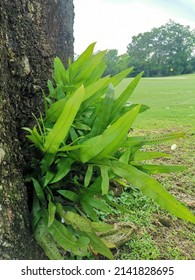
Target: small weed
[
  {"x": 140, "y": 207},
  {"x": 139, "y": 248}
]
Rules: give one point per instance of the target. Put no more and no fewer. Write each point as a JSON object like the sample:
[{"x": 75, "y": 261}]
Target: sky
[{"x": 112, "y": 23}]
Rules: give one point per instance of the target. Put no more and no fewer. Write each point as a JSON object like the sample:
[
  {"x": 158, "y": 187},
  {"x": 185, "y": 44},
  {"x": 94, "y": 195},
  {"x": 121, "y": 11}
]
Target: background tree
[
  {"x": 32, "y": 33},
  {"x": 111, "y": 59},
  {"x": 192, "y": 63},
  {"x": 116, "y": 63},
  {"x": 123, "y": 62},
  {"x": 163, "y": 51}
]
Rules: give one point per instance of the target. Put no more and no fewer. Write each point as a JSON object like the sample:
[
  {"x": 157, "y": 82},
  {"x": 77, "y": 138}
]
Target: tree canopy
[
  {"x": 165, "y": 50},
  {"x": 115, "y": 63}
]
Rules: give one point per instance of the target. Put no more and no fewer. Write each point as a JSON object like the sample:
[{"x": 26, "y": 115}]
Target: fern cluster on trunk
[{"x": 85, "y": 143}]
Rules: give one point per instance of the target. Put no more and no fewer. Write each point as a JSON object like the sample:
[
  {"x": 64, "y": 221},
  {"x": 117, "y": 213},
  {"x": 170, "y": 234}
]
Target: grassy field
[
  {"x": 172, "y": 108},
  {"x": 171, "y": 101}
]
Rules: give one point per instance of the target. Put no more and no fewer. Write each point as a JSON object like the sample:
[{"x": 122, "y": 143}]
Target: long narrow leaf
[
  {"x": 97, "y": 73},
  {"x": 45, "y": 240},
  {"x": 84, "y": 224},
  {"x": 156, "y": 169},
  {"x": 102, "y": 120},
  {"x": 98, "y": 204},
  {"x": 82, "y": 59},
  {"x": 69, "y": 148},
  {"x": 55, "y": 110},
  {"x": 152, "y": 188},
  {"x": 93, "y": 100},
  {"x": 153, "y": 139},
  {"x": 116, "y": 133},
  {"x": 60, "y": 129},
  {"x": 125, "y": 156},
  {"x": 39, "y": 191},
  {"x": 90, "y": 67},
  {"x": 139, "y": 155},
  {"x": 88, "y": 175},
  {"x": 89, "y": 210},
  {"x": 105, "y": 179},
  {"x": 51, "y": 89},
  {"x": 69, "y": 194},
  {"x": 61, "y": 75},
  {"x": 63, "y": 167},
  {"x": 48, "y": 177},
  {"x": 96, "y": 86},
  {"x": 81, "y": 126},
  {"x": 101, "y": 227},
  {"x": 35, "y": 137},
  {"x": 124, "y": 97},
  {"x": 46, "y": 162},
  {"x": 78, "y": 222},
  {"x": 98, "y": 245},
  {"x": 51, "y": 213},
  {"x": 117, "y": 206},
  {"x": 126, "y": 108},
  {"x": 115, "y": 80},
  {"x": 67, "y": 240},
  {"x": 110, "y": 140}
]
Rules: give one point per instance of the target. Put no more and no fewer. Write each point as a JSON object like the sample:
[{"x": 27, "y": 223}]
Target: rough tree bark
[{"x": 32, "y": 33}]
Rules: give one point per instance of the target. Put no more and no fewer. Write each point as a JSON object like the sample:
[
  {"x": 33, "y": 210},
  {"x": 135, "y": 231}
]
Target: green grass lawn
[
  {"x": 172, "y": 108},
  {"x": 171, "y": 101}
]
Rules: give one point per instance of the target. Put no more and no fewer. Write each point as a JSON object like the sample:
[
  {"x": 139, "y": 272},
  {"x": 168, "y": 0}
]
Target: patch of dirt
[{"x": 174, "y": 238}]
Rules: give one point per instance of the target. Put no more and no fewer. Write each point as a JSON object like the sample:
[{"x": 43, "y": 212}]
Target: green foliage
[
  {"x": 111, "y": 59},
  {"x": 86, "y": 147},
  {"x": 115, "y": 63},
  {"x": 142, "y": 248},
  {"x": 163, "y": 51},
  {"x": 166, "y": 50}
]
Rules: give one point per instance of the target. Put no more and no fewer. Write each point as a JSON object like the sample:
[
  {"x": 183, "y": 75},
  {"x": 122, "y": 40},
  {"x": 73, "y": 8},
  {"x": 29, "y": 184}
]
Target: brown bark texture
[{"x": 32, "y": 33}]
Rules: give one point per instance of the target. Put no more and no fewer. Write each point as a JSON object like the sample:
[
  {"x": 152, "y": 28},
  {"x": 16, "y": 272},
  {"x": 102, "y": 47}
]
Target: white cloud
[{"x": 112, "y": 23}]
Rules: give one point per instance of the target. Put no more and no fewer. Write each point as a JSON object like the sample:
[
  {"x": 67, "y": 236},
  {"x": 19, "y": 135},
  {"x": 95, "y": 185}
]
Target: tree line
[{"x": 163, "y": 51}]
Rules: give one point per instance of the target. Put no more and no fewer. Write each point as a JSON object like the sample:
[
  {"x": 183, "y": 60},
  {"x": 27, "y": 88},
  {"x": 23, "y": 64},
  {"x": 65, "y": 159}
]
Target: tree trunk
[{"x": 32, "y": 33}]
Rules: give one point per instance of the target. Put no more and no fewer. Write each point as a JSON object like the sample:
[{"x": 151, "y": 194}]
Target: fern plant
[{"x": 85, "y": 147}]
